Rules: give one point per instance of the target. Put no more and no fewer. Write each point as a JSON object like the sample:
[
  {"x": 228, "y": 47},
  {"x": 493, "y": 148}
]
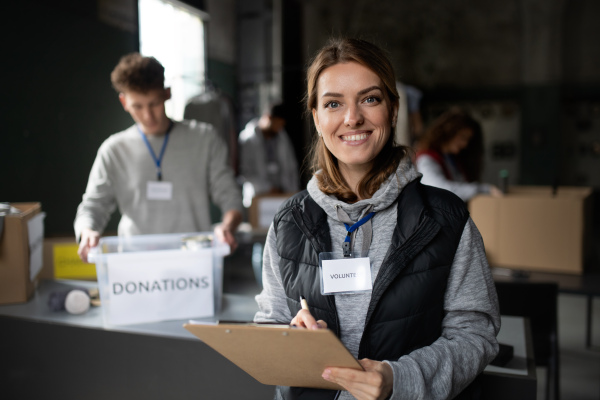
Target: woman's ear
[{"x": 316, "y": 120}]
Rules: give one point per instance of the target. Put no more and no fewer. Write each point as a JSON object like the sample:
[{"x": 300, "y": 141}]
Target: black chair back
[{"x": 538, "y": 302}]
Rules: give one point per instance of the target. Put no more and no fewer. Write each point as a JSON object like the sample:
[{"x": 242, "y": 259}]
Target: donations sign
[{"x": 159, "y": 285}]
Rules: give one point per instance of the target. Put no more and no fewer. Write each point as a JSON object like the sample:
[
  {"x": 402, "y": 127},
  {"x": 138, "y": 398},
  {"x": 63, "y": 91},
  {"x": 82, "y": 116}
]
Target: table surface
[
  {"x": 585, "y": 284},
  {"x": 235, "y": 307}
]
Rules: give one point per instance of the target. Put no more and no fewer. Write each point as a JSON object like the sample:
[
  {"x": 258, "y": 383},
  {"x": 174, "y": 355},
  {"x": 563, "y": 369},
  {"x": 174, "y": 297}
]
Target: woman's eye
[
  {"x": 372, "y": 100},
  {"x": 332, "y": 104}
]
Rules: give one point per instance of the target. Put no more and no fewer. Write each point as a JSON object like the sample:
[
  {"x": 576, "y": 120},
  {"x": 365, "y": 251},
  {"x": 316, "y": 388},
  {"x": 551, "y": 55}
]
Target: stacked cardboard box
[
  {"x": 21, "y": 253},
  {"x": 533, "y": 228}
]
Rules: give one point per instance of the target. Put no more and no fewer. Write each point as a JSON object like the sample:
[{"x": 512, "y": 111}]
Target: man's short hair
[
  {"x": 136, "y": 73},
  {"x": 277, "y": 110}
]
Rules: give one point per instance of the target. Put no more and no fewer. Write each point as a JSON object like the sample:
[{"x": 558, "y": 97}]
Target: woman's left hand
[{"x": 375, "y": 382}]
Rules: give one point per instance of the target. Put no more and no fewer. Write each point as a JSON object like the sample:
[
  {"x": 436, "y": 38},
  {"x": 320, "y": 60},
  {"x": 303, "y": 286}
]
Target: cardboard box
[
  {"x": 263, "y": 209},
  {"x": 21, "y": 253},
  {"x": 62, "y": 262},
  {"x": 532, "y": 229}
]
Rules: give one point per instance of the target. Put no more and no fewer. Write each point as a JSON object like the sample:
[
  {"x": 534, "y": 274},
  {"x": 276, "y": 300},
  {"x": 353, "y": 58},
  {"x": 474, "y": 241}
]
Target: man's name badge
[
  {"x": 345, "y": 275},
  {"x": 156, "y": 190}
]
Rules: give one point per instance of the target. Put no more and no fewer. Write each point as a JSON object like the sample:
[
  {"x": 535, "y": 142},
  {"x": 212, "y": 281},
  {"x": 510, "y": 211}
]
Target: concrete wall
[
  {"x": 540, "y": 55},
  {"x": 466, "y": 43},
  {"x": 221, "y": 35},
  {"x": 537, "y": 54},
  {"x": 57, "y": 102}
]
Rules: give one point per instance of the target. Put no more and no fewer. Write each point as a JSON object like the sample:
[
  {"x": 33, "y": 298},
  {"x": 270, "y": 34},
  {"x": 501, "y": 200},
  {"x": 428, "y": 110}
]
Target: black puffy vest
[{"x": 407, "y": 302}]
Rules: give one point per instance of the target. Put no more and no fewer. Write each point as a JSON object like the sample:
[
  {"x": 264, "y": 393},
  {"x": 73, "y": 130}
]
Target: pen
[{"x": 303, "y": 303}]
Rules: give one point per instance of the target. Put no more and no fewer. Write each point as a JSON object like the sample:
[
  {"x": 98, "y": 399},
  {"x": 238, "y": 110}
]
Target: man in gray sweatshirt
[{"x": 162, "y": 174}]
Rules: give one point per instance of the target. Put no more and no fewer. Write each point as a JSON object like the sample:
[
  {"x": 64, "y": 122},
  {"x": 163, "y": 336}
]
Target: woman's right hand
[
  {"x": 304, "y": 319},
  {"x": 494, "y": 191}
]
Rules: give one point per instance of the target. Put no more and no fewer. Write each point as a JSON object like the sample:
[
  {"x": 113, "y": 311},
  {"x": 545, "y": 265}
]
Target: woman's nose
[{"x": 353, "y": 116}]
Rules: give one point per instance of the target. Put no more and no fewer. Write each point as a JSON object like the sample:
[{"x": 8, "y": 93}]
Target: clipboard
[{"x": 278, "y": 354}]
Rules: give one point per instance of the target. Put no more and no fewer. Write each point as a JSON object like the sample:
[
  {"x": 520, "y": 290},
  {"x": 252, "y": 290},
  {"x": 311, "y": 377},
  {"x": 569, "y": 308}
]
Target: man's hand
[
  {"x": 376, "y": 382},
  {"x": 225, "y": 231},
  {"x": 225, "y": 234},
  {"x": 89, "y": 239}
]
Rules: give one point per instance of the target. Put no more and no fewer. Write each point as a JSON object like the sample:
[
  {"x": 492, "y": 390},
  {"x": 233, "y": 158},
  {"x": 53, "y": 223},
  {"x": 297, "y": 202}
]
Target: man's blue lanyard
[
  {"x": 157, "y": 160},
  {"x": 350, "y": 229}
]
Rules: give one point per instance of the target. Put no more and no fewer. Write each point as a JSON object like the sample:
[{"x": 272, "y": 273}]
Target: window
[{"x": 173, "y": 33}]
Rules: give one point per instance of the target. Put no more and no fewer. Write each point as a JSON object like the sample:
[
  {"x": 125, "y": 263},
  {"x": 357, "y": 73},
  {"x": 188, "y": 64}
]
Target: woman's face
[
  {"x": 352, "y": 114},
  {"x": 458, "y": 142}
]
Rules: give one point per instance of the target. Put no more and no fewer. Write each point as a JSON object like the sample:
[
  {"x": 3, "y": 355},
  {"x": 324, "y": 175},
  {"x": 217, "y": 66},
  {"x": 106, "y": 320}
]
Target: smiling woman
[
  {"x": 423, "y": 322},
  {"x": 354, "y": 104},
  {"x": 355, "y": 119}
]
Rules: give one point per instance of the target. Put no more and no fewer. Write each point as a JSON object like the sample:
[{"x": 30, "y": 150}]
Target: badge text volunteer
[{"x": 343, "y": 276}]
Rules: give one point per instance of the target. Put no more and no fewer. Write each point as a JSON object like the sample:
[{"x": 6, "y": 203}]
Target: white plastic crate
[{"x": 149, "y": 278}]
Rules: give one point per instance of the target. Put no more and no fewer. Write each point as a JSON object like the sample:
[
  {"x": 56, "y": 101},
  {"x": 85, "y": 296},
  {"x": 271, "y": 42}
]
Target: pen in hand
[
  {"x": 312, "y": 324},
  {"x": 303, "y": 303}
]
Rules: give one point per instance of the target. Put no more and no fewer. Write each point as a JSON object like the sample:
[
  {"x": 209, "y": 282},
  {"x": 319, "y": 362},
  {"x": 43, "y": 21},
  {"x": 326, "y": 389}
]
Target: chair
[{"x": 538, "y": 302}]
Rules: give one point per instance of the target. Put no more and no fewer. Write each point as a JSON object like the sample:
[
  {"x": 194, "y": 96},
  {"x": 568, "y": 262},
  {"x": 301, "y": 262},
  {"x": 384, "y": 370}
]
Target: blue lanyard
[
  {"x": 157, "y": 160},
  {"x": 350, "y": 229}
]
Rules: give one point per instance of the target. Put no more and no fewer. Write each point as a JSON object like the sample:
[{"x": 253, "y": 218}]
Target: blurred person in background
[
  {"x": 450, "y": 155},
  {"x": 268, "y": 163},
  {"x": 409, "y": 126},
  {"x": 161, "y": 174}
]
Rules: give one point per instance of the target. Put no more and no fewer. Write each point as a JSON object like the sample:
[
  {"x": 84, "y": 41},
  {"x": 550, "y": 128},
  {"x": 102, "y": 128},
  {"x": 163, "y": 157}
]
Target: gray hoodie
[{"x": 468, "y": 342}]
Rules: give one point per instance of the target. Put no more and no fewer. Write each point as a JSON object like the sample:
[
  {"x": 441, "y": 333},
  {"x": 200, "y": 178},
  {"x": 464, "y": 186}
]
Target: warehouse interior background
[{"x": 527, "y": 69}]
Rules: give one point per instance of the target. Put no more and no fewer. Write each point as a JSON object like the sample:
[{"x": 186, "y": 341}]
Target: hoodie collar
[{"x": 384, "y": 197}]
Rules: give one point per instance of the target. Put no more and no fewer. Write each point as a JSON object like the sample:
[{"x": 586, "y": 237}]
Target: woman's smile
[
  {"x": 353, "y": 114},
  {"x": 355, "y": 138}
]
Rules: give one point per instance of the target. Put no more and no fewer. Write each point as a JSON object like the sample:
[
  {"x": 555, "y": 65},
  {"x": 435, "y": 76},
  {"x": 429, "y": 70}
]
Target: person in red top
[{"x": 450, "y": 155}]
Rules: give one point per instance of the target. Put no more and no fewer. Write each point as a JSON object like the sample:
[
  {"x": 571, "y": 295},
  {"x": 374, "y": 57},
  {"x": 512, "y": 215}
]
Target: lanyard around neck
[
  {"x": 346, "y": 245},
  {"x": 157, "y": 160}
]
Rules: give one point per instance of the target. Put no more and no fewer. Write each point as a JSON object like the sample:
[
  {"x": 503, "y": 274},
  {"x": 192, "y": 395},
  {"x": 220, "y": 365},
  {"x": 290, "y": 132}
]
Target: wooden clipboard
[{"x": 277, "y": 355}]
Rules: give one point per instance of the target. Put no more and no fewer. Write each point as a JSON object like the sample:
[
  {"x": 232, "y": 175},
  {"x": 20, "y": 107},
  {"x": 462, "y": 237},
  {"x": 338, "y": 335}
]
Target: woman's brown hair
[
  {"x": 330, "y": 179},
  {"x": 444, "y": 128}
]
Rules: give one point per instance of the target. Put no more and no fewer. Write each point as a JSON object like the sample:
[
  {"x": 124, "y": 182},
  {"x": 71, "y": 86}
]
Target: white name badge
[
  {"x": 159, "y": 190},
  {"x": 346, "y": 275}
]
